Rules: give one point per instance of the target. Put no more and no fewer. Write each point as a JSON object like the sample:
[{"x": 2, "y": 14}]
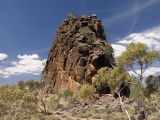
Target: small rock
[
  {"x": 59, "y": 113},
  {"x": 132, "y": 117},
  {"x": 119, "y": 108},
  {"x": 84, "y": 104}
]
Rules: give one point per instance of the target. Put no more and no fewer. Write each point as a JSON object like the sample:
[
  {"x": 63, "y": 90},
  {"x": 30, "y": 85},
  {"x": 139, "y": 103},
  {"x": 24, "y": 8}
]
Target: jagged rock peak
[{"x": 78, "y": 51}]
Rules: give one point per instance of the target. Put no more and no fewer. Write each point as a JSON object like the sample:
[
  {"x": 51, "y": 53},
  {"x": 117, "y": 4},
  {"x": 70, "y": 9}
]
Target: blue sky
[{"x": 27, "y": 29}]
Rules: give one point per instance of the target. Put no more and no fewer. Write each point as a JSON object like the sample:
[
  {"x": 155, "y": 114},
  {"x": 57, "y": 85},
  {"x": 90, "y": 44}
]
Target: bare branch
[
  {"x": 134, "y": 71},
  {"x": 120, "y": 99}
]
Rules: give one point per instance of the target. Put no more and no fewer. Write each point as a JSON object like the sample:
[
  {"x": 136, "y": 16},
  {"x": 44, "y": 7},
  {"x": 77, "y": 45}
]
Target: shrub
[
  {"x": 113, "y": 77},
  {"x": 54, "y": 103},
  {"x": 21, "y": 84},
  {"x": 137, "y": 90},
  {"x": 11, "y": 93},
  {"x": 67, "y": 93},
  {"x": 85, "y": 29},
  {"x": 108, "y": 49},
  {"x": 33, "y": 84},
  {"x": 16, "y": 102},
  {"x": 86, "y": 91},
  {"x": 100, "y": 77},
  {"x": 29, "y": 103},
  {"x": 152, "y": 85}
]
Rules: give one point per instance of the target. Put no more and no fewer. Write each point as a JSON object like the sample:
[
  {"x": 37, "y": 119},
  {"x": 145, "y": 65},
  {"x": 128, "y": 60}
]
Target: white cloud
[
  {"x": 149, "y": 71},
  {"x": 150, "y": 37},
  {"x": 33, "y": 56},
  {"x": 118, "y": 49},
  {"x": 30, "y": 64},
  {"x": 3, "y": 56}
]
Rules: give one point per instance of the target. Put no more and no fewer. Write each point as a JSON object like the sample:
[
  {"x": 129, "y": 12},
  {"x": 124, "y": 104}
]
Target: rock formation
[{"x": 79, "y": 50}]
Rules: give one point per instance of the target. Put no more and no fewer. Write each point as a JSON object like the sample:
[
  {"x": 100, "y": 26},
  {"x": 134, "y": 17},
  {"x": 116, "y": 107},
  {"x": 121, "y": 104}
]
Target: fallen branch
[{"x": 118, "y": 93}]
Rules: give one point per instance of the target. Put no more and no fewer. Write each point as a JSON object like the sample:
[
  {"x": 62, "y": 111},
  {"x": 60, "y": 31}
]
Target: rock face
[{"x": 79, "y": 50}]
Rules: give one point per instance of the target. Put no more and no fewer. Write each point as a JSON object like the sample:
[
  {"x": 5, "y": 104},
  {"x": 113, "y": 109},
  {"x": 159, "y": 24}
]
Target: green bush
[
  {"x": 54, "y": 103},
  {"x": 152, "y": 85},
  {"x": 112, "y": 77},
  {"x": 21, "y": 84},
  {"x": 11, "y": 93},
  {"x": 33, "y": 84},
  {"x": 86, "y": 91},
  {"x": 29, "y": 103},
  {"x": 85, "y": 29},
  {"x": 108, "y": 49},
  {"x": 16, "y": 102},
  {"x": 67, "y": 93},
  {"x": 137, "y": 90}
]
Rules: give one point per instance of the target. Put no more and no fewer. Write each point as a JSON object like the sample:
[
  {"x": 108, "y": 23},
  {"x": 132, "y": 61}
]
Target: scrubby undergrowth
[{"x": 30, "y": 103}]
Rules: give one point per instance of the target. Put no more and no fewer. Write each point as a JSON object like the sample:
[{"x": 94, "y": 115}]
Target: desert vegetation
[
  {"x": 17, "y": 102},
  {"x": 26, "y": 100}
]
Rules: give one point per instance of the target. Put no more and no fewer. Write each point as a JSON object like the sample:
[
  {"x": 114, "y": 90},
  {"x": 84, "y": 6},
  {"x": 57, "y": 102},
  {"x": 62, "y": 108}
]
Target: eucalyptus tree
[{"x": 137, "y": 56}]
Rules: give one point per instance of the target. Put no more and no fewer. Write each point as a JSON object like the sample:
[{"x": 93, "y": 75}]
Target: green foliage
[
  {"x": 10, "y": 93},
  {"x": 86, "y": 91},
  {"x": 71, "y": 16},
  {"x": 16, "y": 102},
  {"x": 100, "y": 77},
  {"x": 29, "y": 103},
  {"x": 137, "y": 90},
  {"x": 152, "y": 85},
  {"x": 85, "y": 29},
  {"x": 33, "y": 84},
  {"x": 21, "y": 84},
  {"x": 112, "y": 77},
  {"x": 67, "y": 93},
  {"x": 108, "y": 49},
  {"x": 54, "y": 103},
  {"x": 137, "y": 54}
]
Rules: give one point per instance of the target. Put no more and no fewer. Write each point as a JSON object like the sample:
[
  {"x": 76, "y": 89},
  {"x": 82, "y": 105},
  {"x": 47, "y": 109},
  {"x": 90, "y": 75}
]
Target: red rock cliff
[{"x": 79, "y": 50}]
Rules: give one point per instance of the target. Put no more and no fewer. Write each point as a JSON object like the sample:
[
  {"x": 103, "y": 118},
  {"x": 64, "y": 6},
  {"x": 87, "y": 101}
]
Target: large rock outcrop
[{"x": 79, "y": 50}]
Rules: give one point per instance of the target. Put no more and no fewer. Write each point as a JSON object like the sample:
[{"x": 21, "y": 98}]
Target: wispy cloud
[
  {"x": 133, "y": 26},
  {"x": 129, "y": 12},
  {"x": 25, "y": 64}
]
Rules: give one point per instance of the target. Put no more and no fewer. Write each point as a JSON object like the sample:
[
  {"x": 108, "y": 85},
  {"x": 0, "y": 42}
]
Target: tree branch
[{"x": 134, "y": 71}]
